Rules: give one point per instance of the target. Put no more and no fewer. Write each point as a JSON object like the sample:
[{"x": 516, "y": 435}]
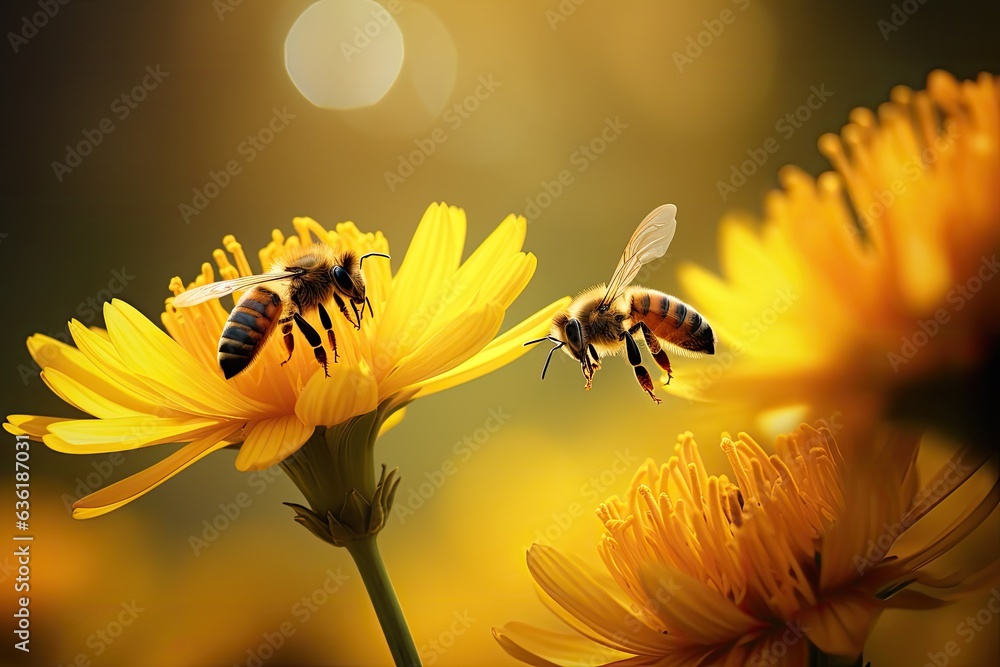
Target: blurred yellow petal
[
  {"x": 538, "y": 646},
  {"x": 835, "y": 299},
  {"x": 842, "y": 625}
]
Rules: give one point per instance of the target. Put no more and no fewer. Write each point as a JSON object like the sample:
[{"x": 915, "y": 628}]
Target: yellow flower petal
[
  {"x": 580, "y": 595},
  {"x": 72, "y": 363},
  {"x": 689, "y": 608},
  {"x": 32, "y": 425},
  {"x": 493, "y": 272},
  {"x": 393, "y": 421},
  {"x": 120, "y": 493},
  {"x": 270, "y": 441},
  {"x": 151, "y": 353},
  {"x": 433, "y": 256},
  {"x": 841, "y": 625},
  {"x": 348, "y": 392},
  {"x": 500, "y": 351},
  {"x": 538, "y": 646},
  {"x": 96, "y": 436},
  {"x": 83, "y": 396},
  {"x": 447, "y": 349}
]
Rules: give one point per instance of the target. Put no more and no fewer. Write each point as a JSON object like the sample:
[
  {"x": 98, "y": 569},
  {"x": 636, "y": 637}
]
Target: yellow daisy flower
[
  {"x": 787, "y": 557},
  {"x": 871, "y": 290},
  {"x": 434, "y": 326}
]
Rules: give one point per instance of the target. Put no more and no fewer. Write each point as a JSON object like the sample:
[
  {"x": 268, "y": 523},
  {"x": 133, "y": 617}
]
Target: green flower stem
[{"x": 390, "y": 615}]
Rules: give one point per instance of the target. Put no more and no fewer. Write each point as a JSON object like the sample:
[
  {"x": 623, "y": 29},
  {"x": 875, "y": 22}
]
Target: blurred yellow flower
[
  {"x": 434, "y": 327},
  {"x": 788, "y": 555},
  {"x": 872, "y": 290}
]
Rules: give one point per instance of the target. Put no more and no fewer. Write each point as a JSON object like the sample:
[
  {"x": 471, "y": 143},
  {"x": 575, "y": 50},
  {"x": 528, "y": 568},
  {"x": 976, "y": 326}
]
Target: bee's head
[
  {"x": 346, "y": 275},
  {"x": 569, "y": 335}
]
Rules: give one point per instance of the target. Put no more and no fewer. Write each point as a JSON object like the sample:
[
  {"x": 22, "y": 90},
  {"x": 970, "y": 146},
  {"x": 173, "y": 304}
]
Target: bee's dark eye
[
  {"x": 343, "y": 279},
  {"x": 574, "y": 335}
]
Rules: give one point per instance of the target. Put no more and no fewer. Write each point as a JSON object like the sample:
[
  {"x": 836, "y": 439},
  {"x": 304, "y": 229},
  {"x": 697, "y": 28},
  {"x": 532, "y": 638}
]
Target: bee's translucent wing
[
  {"x": 650, "y": 241},
  {"x": 203, "y": 293}
]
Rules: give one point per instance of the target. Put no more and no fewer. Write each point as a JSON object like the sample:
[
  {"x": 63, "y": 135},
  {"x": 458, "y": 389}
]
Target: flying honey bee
[
  {"x": 309, "y": 278},
  {"x": 600, "y": 320}
]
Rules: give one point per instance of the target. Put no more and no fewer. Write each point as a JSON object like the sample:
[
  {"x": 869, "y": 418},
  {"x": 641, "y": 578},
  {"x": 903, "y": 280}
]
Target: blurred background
[{"x": 137, "y": 135}]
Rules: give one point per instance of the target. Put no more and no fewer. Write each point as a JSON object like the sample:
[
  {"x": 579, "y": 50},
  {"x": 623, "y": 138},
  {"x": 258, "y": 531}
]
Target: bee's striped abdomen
[
  {"x": 247, "y": 329},
  {"x": 672, "y": 320}
]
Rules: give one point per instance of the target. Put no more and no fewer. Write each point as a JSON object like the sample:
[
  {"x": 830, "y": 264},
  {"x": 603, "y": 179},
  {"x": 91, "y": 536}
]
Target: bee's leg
[
  {"x": 590, "y": 364},
  {"x": 343, "y": 310},
  {"x": 371, "y": 313},
  {"x": 286, "y": 330},
  {"x": 313, "y": 339},
  {"x": 358, "y": 314},
  {"x": 659, "y": 354},
  {"x": 324, "y": 319},
  {"x": 641, "y": 374}
]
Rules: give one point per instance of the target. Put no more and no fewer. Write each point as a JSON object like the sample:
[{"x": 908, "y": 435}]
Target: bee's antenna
[
  {"x": 361, "y": 262},
  {"x": 537, "y": 340},
  {"x": 549, "y": 358},
  {"x": 558, "y": 344}
]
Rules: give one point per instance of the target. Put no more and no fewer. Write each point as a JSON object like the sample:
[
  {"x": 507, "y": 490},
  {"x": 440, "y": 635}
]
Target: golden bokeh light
[{"x": 344, "y": 54}]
